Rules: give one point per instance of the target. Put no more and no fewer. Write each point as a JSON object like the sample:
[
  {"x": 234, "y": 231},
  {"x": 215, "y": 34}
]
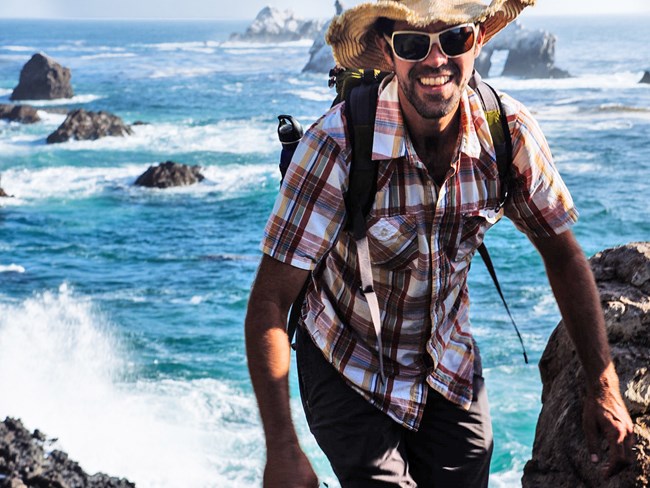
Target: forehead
[{"x": 402, "y": 25}]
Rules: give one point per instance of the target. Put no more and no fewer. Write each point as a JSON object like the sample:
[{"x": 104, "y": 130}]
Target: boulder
[
  {"x": 24, "y": 114},
  {"x": 645, "y": 78},
  {"x": 531, "y": 53},
  {"x": 42, "y": 78},
  {"x": 560, "y": 457},
  {"x": 273, "y": 25},
  {"x": 83, "y": 125},
  {"x": 321, "y": 59},
  {"x": 25, "y": 462},
  {"x": 169, "y": 174}
]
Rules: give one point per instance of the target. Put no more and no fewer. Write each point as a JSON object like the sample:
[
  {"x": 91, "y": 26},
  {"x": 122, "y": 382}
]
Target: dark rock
[
  {"x": 560, "y": 457},
  {"x": 83, "y": 125},
  {"x": 321, "y": 59},
  {"x": 273, "y": 25},
  {"x": 24, "y": 114},
  {"x": 24, "y": 462},
  {"x": 645, "y": 78},
  {"x": 531, "y": 53},
  {"x": 169, "y": 174},
  {"x": 42, "y": 78}
]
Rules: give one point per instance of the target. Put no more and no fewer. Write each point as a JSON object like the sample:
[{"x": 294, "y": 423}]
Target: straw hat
[{"x": 352, "y": 37}]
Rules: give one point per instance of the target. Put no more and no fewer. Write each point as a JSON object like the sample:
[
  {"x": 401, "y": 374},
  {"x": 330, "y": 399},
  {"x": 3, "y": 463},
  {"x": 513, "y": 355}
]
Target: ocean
[{"x": 121, "y": 308}]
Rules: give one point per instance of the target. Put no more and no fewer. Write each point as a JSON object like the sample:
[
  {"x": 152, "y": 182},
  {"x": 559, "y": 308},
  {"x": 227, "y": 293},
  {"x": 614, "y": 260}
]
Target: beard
[{"x": 427, "y": 105}]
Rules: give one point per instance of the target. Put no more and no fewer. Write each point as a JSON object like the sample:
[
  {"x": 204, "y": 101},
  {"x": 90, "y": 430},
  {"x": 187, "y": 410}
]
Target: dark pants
[{"x": 451, "y": 449}]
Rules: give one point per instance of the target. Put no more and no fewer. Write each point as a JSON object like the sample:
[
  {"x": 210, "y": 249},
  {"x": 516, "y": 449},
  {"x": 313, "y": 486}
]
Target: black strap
[{"x": 360, "y": 108}]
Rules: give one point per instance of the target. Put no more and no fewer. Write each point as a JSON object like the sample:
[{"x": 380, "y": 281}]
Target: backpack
[{"x": 359, "y": 89}]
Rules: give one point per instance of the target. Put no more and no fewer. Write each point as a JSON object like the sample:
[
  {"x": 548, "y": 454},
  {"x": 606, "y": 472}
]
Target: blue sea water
[{"x": 121, "y": 308}]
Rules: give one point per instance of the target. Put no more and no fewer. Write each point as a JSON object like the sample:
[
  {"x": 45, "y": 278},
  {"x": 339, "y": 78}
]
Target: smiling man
[{"x": 404, "y": 403}]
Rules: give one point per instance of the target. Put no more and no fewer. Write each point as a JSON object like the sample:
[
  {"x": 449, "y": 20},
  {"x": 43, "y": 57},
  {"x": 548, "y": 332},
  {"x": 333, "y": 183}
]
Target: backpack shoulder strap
[
  {"x": 502, "y": 139},
  {"x": 360, "y": 108},
  {"x": 498, "y": 125}
]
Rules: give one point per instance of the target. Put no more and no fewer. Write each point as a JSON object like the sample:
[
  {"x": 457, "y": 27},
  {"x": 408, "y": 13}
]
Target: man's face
[{"x": 433, "y": 86}]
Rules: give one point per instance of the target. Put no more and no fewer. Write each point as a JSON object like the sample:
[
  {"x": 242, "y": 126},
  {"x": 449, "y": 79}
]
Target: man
[{"x": 407, "y": 406}]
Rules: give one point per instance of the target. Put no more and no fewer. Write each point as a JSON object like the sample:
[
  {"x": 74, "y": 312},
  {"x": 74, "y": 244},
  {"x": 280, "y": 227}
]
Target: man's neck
[{"x": 435, "y": 140}]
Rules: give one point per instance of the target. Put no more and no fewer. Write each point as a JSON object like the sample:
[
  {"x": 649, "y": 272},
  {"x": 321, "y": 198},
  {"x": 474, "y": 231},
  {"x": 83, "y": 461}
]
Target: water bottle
[{"x": 289, "y": 132}]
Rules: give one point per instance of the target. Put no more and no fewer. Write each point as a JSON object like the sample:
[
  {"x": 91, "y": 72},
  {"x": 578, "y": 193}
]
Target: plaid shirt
[{"x": 421, "y": 239}]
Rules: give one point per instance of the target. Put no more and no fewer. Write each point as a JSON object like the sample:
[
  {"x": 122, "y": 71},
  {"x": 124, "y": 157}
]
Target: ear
[
  {"x": 386, "y": 50},
  {"x": 479, "y": 40}
]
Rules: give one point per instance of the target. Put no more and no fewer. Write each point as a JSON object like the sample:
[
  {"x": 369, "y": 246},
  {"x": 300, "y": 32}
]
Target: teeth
[{"x": 435, "y": 80}]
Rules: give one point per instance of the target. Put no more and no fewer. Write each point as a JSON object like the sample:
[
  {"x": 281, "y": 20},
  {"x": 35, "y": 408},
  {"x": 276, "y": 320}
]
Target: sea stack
[
  {"x": 560, "y": 455},
  {"x": 42, "y": 78}
]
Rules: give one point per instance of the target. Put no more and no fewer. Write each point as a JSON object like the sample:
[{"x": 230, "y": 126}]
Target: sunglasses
[{"x": 415, "y": 46}]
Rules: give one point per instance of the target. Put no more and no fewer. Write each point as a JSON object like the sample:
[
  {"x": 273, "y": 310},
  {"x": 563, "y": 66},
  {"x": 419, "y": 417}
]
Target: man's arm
[
  {"x": 275, "y": 288},
  {"x": 575, "y": 290}
]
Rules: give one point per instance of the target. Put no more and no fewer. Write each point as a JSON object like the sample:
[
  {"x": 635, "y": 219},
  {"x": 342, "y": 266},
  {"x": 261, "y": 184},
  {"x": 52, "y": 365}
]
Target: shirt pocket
[
  {"x": 474, "y": 225},
  {"x": 393, "y": 242}
]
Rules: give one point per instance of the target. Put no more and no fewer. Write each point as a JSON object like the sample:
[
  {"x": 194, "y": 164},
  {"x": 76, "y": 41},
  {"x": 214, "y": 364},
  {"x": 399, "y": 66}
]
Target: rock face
[
  {"x": 24, "y": 463},
  {"x": 273, "y": 25},
  {"x": 531, "y": 53},
  {"x": 42, "y": 78},
  {"x": 83, "y": 125},
  {"x": 321, "y": 59},
  {"x": 560, "y": 458},
  {"x": 24, "y": 114},
  {"x": 645, "y": 78},
  {"x": 169, "y": 174}
]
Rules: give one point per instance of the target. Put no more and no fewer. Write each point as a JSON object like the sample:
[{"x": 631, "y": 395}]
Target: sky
[{"x": 248, "y": 9}]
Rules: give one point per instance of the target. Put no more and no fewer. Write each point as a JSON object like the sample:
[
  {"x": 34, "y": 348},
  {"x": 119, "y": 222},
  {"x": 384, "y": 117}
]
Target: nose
[{"x": 436, "y": 57}]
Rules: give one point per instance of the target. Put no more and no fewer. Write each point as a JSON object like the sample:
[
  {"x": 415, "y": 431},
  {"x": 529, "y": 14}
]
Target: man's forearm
[{"x": 268, "y": 352}]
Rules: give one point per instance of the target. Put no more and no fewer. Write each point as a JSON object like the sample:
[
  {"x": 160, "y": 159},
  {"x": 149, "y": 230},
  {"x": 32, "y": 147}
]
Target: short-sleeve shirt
[{"x": 421, "y": 241}]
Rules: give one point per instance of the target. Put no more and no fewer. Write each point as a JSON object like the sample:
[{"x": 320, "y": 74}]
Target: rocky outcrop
[
  {"x": 83, "y": 125},
  {"x": 645, "y": 78},
  {"x": 169, "y": 174},
  {"x": 25, "y": 114},
  {"x": 25, "y": 462},
  {"x": 273, "y": 25},
  {"x": 42, "y": 78},
  {"x": 531, "y": 53},
  {"x": 321, "y": 59},
  {"x": 560, "y": 458}
]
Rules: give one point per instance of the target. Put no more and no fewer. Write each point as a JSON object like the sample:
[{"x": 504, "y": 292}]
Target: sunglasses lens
[
  {"x": 457, "y": 41},
  {"x": 411, "y": 46}
]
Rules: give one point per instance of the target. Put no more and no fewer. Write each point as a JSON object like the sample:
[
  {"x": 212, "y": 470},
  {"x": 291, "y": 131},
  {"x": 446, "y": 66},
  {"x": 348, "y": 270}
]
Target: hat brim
[{"x": 352, "y": 36}]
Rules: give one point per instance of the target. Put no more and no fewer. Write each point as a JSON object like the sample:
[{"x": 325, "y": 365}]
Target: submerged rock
[
  {"x": 273, "y": 25},
  {"x": 42, "y": 78},
  {"x": 83, "y": 125},
  {"x": 531, "y": 53},
  {"x": 169, "y": 174},
  {"x": 25, "y": 114},
  {"x": 25, "y": 462},
  {"x": 560, "y": 457}
]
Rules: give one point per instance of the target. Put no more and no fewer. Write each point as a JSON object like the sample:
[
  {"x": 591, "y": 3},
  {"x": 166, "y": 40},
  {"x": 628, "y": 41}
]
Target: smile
[{"x": 435, "y": 80}]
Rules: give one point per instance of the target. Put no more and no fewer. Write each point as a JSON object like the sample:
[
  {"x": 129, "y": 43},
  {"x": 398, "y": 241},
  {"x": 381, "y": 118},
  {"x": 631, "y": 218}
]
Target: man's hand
[
  {"x": 289, "y": 468},
  {"x": 604, "y": 413}
]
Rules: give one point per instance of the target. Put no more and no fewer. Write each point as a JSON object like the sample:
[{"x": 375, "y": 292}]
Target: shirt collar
[{"x": 389, "y": 140}]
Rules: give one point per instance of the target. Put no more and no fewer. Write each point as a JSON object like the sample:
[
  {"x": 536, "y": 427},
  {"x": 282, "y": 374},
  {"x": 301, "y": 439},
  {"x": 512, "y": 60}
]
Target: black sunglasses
[{"x": 416, "y": 45}]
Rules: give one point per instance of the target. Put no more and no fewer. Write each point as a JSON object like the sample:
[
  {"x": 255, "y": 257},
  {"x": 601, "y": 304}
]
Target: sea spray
[{"x": 63, "y": 370}]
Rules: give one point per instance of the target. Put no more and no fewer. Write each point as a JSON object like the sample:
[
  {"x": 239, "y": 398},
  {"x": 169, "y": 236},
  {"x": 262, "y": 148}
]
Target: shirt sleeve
[
  {"x": 540, "y": 204},
  {"x": 309, "y": 211}
]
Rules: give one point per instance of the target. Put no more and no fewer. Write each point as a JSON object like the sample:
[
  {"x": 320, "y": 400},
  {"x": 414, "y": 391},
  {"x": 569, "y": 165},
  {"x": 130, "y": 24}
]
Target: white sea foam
[
  {"x": 108, "y": 55},
  {"x": 72, "y": 182},
  {"x": 11, "y": 268},
  {"x": 19, "y": 48},
  {"x": 68, "y": 376},
  {"x": 235, "y": 137},
  {"x": 77, "y": 99},
  {"x": 611, "y": 81},
  {"x": 207, "y": 47}
]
